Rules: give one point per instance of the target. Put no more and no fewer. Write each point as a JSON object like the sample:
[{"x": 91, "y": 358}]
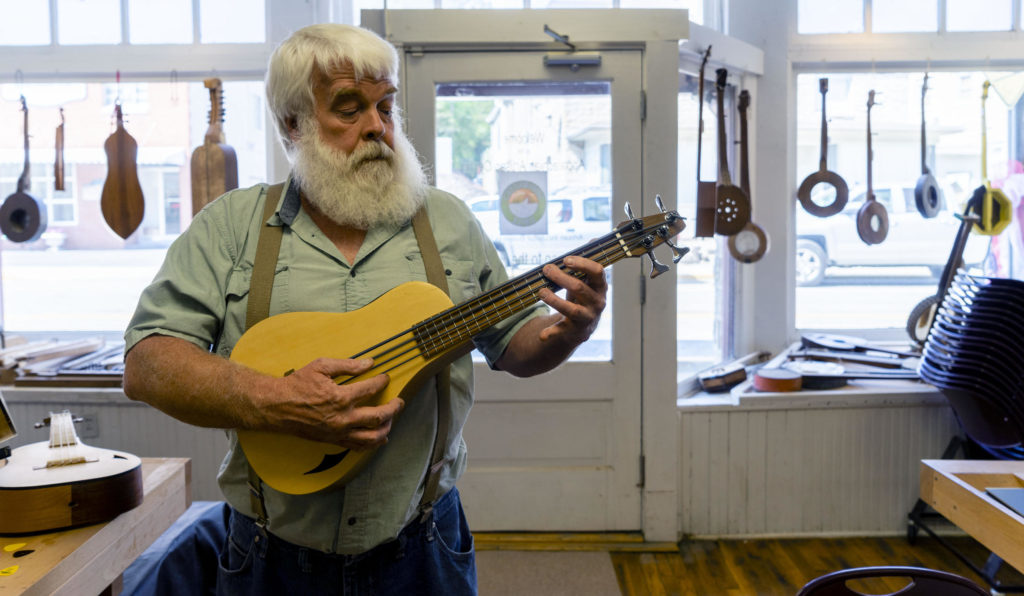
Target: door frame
[{"x": 656, "y": 33}]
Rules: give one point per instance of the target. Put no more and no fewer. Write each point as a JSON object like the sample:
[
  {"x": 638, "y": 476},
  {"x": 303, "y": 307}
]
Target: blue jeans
[{"x": 432, "y": 557}]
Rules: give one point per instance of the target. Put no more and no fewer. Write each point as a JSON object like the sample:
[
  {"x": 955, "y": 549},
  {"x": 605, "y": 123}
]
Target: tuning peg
[
  {"x": 656, "y": 267},
  {"x": 660, "y": 204},
  {"x": 679, "y": 251},
  {"x": 629, "y": 212}
]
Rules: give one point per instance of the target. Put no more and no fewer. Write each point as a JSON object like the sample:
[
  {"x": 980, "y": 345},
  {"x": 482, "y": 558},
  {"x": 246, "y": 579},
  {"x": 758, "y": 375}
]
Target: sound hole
[{"x": 19, "y": 220}]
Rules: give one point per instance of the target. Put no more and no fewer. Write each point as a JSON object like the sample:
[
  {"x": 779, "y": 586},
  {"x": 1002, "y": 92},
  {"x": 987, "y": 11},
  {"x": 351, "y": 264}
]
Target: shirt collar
[{"x": 291, "y": 204}]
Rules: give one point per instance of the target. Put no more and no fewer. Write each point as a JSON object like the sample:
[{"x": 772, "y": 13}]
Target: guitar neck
[{"x": 453, "y": 329}]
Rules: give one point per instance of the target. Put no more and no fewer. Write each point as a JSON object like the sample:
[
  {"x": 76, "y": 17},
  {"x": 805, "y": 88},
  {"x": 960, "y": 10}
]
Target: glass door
[{"x": 546, "y": 157}]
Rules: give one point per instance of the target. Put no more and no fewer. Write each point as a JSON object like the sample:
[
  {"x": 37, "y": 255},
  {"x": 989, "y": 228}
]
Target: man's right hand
[{"x": 314, "y": 406}]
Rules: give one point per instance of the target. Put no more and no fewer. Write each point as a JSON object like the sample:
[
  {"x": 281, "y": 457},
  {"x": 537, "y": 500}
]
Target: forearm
[
  {"x": 527, "y": 354},
  {"x": 195, "y": 386}
]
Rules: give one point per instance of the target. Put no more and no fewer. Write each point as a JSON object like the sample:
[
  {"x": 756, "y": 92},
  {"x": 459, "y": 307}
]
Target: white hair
[{"x": 326, "y": 46}]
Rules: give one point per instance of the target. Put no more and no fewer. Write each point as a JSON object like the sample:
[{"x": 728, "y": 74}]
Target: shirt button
[{"x": 351, "y": 521}]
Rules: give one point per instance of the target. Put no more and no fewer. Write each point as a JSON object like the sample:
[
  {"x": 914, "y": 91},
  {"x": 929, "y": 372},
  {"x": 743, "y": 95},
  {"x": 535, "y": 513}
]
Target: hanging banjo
[
  {"x": 823, "y": 175},
  {"x": 926, "y": 191},
  {"x": 872, "y": 218},
  {"x": 22, "y": 216}
]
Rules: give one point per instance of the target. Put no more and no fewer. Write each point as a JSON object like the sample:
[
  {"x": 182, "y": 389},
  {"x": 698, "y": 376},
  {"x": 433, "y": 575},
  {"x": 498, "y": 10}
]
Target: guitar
[
  {"x": 121, "y": 201},
  {"x": 214, "y": 163},
  {"x": 63, "y": 483},
  {"x": 22, "y": 216},
  {"x": 411, "y": 332}
]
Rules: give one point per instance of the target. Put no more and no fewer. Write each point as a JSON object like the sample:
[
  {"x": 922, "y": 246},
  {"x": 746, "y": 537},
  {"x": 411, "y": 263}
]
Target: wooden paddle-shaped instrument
[
  {"x": 22, "y": 216},
  {"x": 411, "y": 332},
  {"x": 750, "y": 244},
  {"x": 996, "y": 208},
  {"x": 732, "y": 207},
  {"x": 926, "y": 191},
  {"x": 63, "y": 483},
  {"x": 58, "y": 152},
  {"x": 214, "y": 163},
  {"x": 872, "y": 218},
  {"x": 823, "y": 175},
  {"x": 121, "y": 202},
  {"x": 705, "y": 218}
]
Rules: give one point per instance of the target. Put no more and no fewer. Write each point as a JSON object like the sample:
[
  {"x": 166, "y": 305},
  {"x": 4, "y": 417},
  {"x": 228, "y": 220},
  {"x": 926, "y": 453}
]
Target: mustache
[{"x": 372, "y": 151}]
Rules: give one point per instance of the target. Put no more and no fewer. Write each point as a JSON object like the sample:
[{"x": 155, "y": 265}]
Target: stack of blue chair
[{"x": 974, "y": 354}]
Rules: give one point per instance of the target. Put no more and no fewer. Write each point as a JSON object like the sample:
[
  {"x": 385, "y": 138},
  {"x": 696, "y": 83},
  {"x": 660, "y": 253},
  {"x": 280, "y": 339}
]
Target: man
[{"x": 346, "y": 239}]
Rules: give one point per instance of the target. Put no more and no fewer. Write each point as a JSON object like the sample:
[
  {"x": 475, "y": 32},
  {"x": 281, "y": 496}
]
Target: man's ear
[{"x": 293, "y": 129}]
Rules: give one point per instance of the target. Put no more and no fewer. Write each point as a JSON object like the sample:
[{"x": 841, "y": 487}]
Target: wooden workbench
[
  {"x": 90, "y": 560},
  {"x": 956, "y": 489}
]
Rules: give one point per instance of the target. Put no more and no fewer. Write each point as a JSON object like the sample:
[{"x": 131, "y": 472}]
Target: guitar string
[{"x": 613, "y": 246}]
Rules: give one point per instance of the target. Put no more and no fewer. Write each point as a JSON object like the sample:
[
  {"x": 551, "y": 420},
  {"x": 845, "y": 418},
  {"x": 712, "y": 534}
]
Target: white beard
[{"x": 372, "y": 186}]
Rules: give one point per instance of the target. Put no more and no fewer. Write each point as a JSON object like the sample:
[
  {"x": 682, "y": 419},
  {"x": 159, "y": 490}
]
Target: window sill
[{"x": 857, "y": 394}]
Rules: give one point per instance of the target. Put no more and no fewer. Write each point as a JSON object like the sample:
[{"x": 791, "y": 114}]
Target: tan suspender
[{"x": 261, "y": 285}]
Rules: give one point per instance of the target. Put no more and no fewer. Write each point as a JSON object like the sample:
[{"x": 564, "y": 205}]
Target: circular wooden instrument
[
  {"x": 22, "y": 216},
  {"x": 777, "y": 380},
  {"x": 996, "y": 208},
  {"x": 823, "y": 175},
  {"x": 751, "y": 243},
  {"x": 872, "y": 218},
  {"x": 926, "y": 191}
]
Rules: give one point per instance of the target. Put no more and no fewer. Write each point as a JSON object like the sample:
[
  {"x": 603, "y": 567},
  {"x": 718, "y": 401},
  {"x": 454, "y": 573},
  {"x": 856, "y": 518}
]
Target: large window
[
  {"x": 904, "y": 16},
  {"x": 844, "y": 283}
]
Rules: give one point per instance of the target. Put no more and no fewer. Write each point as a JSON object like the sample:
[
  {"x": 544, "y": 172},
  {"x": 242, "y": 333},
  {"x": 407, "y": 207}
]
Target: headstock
[
  {"x": 639, "y": 236},
  {"x": 744, "y": 101}
]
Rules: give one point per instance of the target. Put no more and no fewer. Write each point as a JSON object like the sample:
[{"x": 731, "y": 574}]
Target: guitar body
[
  {"x": 121, "y": 202},
  {"x": 40, "y": 499},
  {"x": 22, "y": 217},
  {"x": 214, "y": 172},
  {"x": 285, "y": 342}
]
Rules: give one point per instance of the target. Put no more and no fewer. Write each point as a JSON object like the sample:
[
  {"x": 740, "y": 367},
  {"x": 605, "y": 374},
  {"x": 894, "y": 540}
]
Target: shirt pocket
[
  {"x": 463, "y": 282},
  {"x": 236, "y": 302}
]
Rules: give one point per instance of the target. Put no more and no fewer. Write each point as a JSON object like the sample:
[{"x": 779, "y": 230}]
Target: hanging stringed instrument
[
  {"x": 996, "y": 207},
  {"x": 63, "y": 483},
  {"x": 214, "y": 163},
  {"x": 58, "y": 152},
  {"x": 751, "y": 243},
  {"x": 121, "y": 202},
  {"x": 410, "y": 332},
  {"x": 22, "y": 216},
  {"x": 732, "y": 206},
  {"x": 926, "y": 191},
  {"x": 823, "y": 175},
  {"x": 705, "y": 217},
  {"x": 872, "y": 218}
]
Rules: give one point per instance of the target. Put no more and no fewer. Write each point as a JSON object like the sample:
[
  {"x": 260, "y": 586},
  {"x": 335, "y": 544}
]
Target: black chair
[{"x": 923, "y": 582}]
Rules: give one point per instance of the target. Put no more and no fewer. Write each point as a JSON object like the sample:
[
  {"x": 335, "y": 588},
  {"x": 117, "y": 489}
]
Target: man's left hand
[{"x": 584, "y": 301}]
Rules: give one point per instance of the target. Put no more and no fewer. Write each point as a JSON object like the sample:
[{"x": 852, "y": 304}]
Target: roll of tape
[{"x": 22, "y": 218}]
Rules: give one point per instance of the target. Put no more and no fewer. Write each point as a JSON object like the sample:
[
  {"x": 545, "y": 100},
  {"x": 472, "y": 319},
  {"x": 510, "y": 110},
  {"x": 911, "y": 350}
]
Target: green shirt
[{"x": 199, "y": 295}]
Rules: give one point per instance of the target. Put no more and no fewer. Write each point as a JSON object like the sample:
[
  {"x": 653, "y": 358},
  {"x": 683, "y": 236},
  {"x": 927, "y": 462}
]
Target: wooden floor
[{"x": 781, "y": 567}]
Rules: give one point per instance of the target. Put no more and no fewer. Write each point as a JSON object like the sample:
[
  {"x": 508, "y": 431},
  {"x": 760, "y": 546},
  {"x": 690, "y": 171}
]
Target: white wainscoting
[{"x": 827, "y": 464}]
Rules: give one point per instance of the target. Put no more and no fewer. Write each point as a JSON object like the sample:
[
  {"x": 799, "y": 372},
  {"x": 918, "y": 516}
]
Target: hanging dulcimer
[
  {"x": 122, "y": 202},
  {"x": 63, "y": 483},
  {"x": 22, "y": 216},
  {"x": 214, "y": 164}
]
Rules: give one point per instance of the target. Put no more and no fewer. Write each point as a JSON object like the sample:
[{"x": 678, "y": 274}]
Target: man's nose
[{"x": 373, "y": 127}]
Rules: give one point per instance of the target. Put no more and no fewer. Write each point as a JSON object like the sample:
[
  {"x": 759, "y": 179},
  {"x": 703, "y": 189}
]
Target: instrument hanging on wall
[
  {"x": 63, "y": 483},
  {"x": 58, "y": 150},
  {"x": 996, "y": 208},
  {"x": 732, "y": 207},
  {"x": 214, "y": 163},
  {"x": 750, "y": 243},
  {"x": 823, "y": 175},
  {"x": 410, "y": 332},
  {"x": 705, "y": 219},
  {"x": 22, "y": 216},
  {"x": 121, "y": 202},
  {"x": 926, "y": 191},
  {"x": 872, "y": 218}
]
